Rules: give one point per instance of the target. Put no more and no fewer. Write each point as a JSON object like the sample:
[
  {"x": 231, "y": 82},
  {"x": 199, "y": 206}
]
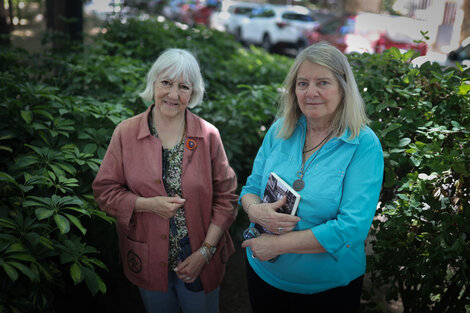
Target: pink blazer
[{"x": 132, "y": 168}]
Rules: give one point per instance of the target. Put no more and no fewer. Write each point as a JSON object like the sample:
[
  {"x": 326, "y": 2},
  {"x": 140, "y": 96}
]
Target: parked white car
[
  {"x": 237, "y": 15},
  {"x": 277, "y": 26}
]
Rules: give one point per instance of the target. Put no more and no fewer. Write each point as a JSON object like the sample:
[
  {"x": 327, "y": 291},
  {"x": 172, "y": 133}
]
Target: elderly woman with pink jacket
[{"x": 167, "y": 181}]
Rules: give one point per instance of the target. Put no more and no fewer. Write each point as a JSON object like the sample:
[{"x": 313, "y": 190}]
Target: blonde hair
[
  {"x": 350, "y": 113},
  {"x": 176, "y": 63}
]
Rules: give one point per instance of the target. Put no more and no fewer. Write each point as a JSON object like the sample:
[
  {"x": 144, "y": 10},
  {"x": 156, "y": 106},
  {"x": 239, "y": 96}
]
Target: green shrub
[
  {"x": 421, "y": 116},
  {"x": 51, "y": 150}
]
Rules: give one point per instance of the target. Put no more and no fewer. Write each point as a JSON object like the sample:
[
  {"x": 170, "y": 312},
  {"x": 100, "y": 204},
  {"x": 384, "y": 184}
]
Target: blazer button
[
  {"x": 162, "y": 264},
  {"x": 158, "y": 181},
  {"x": 163, "y": 237},
  {"x": 347, "y": 246}
]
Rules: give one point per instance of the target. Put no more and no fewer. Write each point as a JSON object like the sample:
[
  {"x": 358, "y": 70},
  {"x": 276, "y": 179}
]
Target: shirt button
[
  {"x": 162, "y": 264},
  {"x": 163, "y": 237},
  {"x": 347, "y": 246},
  {"x": 158, "y": 181}
]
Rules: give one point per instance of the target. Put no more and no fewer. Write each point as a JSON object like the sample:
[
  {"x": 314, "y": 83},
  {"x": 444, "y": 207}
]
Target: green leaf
[
  {"x": 464, "y": 89},
  {"x": 404, "y": 142},
  {"x": 6, "y": 223},
  {"x": 62, "y": 223},
  {"x": 23, "y": 257},
  {"x": 27, "y": 116},
  {"x": 98, "y": 263},
  {"x": 90, "y": 148},
  {"x": 77, "y": 223},
  {"x": 26, "y": 161},
  {"x": 76, "y": 273},
  {"x": 392, "y": 127},
  {"x": 415, "y": 161},
  {"x": 5, "y": 177},
  {"x": 395, "y": 53},
  {"x": 46, "y": 242},
  {"x": 43, "y": 213},
  {"x": 15, "y": 247},
  {"x": 25, "y": 270},
  {"x": 5, "y": 148},
  {"x": 10, "y": 270},
  {"x": 93, "y": 281},
  {"x": 69, "y": 168}
]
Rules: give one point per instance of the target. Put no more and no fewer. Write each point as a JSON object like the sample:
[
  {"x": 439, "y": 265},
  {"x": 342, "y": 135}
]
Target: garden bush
[
  {"x": 59, "y": 111},
  {"x": 421, "y": 116}
]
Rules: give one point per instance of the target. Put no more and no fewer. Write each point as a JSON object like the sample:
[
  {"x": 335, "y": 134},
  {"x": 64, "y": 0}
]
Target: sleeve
[
  {"x": 253, "y": 182},
  {"x": 224, "y": 182},
  {"x": 361, "y": 190},
  {"x": 109, "y": 187}
]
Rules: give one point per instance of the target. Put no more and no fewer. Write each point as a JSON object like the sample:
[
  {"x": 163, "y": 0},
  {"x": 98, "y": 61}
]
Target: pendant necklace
[{"x": 299, "y": 183}]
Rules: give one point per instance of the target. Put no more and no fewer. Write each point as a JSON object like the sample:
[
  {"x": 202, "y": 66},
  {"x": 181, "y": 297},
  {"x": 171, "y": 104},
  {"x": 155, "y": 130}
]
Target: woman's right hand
[
  {"x": 267, "y": 216},
  {"x": 165, "y": 207}
]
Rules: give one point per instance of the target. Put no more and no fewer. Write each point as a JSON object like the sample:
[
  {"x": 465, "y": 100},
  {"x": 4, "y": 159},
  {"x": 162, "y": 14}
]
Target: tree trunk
[
  {"x": 5, "y": 28},
  {"x": 65, "y": 19},
  {"x": 10, "y": 11}
]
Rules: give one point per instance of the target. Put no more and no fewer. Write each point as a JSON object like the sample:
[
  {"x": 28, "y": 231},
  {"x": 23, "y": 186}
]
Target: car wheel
[
  {"x": 238, "y": 35},
  {"x": 266, "y": 43}
]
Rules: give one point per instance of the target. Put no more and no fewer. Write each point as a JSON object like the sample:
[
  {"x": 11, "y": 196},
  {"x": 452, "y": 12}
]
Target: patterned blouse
[{"x": 172, "y": 165}]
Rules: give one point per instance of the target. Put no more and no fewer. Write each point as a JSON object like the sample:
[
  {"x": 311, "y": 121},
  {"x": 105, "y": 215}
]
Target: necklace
[
  {"x": 180, "y": 131},
  {"x": 305, "y": 151},
  {"x": 299, "y": 184}
]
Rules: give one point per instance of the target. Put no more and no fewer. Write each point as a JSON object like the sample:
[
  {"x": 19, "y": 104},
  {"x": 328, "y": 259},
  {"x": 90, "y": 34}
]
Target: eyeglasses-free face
[
  {"x": 318, "y": 92},
  {"x": 182, "y": 87},
  {"x": 172, "y": 96}
]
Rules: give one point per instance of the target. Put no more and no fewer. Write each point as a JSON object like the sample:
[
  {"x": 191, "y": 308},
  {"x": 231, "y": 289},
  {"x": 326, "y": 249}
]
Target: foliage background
[{"x": 60, "y": 109}]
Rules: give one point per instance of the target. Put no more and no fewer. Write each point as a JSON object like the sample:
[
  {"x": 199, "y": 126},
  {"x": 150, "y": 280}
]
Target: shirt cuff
[{"x": 331, "y": 244}]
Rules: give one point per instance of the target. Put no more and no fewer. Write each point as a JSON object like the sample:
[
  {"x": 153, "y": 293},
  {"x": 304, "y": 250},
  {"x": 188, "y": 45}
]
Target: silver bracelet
[{"x": 205, "y": 253}]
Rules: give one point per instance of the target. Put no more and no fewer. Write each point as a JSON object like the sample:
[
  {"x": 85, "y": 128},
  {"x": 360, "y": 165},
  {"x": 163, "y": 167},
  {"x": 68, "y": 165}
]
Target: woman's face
[
  {"x": 172, "y": 96},
  {"x": 318, "y": 93}
]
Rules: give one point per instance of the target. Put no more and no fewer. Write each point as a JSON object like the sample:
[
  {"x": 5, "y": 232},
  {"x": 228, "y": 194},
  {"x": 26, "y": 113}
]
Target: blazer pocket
[{"x": 134, "y": 256}]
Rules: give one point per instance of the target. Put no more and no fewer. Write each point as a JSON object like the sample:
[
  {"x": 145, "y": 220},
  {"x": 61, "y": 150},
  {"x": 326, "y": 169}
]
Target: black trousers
[{"x": 266, "y": 298}]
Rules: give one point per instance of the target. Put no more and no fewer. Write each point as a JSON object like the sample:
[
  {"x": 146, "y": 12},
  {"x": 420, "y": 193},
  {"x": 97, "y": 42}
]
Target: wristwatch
[{"x": 212, "y": 249}]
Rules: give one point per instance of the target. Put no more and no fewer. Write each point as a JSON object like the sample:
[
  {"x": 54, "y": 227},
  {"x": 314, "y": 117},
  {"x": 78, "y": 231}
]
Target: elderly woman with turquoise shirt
[{"x": 322, "y": 147}]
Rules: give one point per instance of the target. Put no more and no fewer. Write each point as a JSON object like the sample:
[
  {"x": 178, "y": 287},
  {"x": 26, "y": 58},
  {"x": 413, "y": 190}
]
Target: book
[{"x": 276, "y": 189}]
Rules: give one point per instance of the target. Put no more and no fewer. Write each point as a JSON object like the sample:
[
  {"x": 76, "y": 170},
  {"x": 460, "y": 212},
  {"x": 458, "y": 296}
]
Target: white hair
[{"x": 175, "y": 63}]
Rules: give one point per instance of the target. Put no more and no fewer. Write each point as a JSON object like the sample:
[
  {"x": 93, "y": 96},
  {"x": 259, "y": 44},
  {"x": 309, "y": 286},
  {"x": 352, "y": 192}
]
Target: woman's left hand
[
  {"x": 262, "y": 247},
  {"x": 189, "y": 269}
]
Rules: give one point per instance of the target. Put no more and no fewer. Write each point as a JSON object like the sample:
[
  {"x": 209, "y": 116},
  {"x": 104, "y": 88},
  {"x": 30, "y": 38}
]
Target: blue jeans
[{"x": 178, "y": 296}]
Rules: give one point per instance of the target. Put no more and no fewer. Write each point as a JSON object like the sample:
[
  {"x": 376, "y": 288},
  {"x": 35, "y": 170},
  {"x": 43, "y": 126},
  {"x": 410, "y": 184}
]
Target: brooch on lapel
[{"x": 191, "y": 144}]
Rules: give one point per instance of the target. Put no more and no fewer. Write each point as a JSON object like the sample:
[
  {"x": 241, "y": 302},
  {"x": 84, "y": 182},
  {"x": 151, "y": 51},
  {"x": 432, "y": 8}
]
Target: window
[
  {"x": 297, "y": 17},
  {"x": 262, "y": 12},
  {"x": 242, "y": 10}
]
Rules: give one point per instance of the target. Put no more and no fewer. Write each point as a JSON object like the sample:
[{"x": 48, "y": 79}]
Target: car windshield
[
  {"x": 297, "y": 17},
  {"x": 242, "y": 10},
  {"x": 262, "y": 12}
]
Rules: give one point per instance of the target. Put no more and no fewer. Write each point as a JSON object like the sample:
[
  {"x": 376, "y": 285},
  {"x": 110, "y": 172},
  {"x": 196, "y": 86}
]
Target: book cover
[{"x": 276, "y": 188}]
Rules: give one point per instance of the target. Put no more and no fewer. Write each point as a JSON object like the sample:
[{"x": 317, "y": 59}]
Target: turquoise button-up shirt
[{"x": 337, "y": 204}]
